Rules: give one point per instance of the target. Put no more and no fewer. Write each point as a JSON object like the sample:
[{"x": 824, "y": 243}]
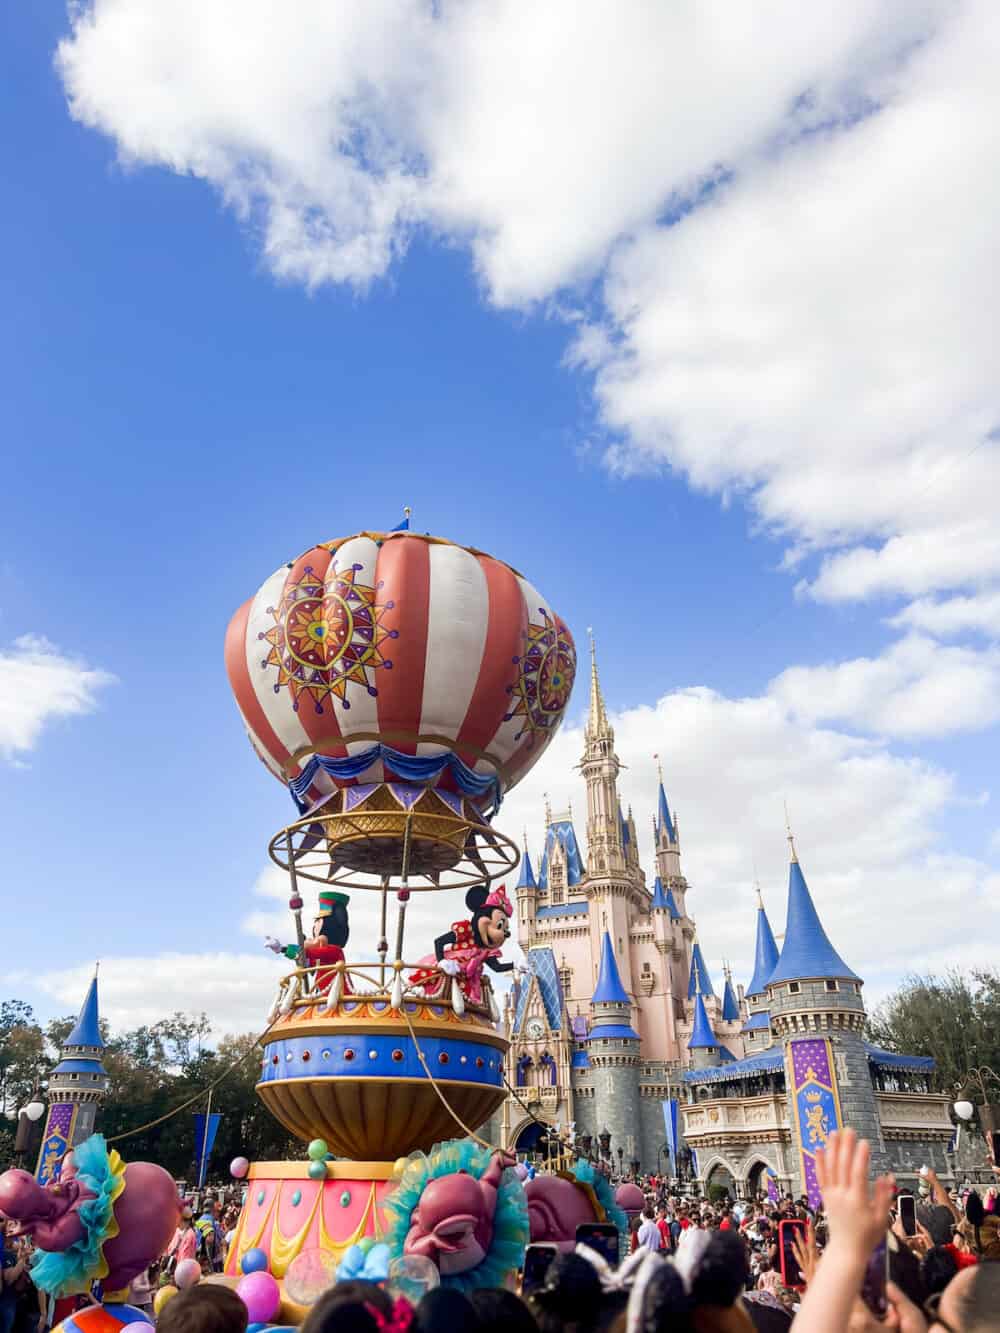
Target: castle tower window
[
  {"x": 794, "y": 988},
  {"x": 832, "y": 985}
]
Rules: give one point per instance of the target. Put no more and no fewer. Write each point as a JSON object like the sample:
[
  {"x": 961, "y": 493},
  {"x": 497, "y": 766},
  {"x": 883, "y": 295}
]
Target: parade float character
[
  {"x": 469, "y": 946},
  {"x": 462, "y": 1207},
  {"x": 100, "y": 1221},
  {"x": 559, "y": 1203},
  {"x": 330, "y": 932},
  {"x": 398, "y": 685}
]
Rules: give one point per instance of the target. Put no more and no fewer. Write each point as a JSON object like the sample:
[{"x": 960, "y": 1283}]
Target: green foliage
[
  {"x": 954, "y": 1018},
  {"x": 716, "y": 1193},
  {"x": 152, "y": 1070}
]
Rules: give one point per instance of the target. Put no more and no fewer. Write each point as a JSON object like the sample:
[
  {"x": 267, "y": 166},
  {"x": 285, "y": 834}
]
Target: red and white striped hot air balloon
[{"x": 399, "y": 659}]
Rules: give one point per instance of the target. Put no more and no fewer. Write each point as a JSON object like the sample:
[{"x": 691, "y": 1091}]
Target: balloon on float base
[
  {"x": 239, "y": 1167},
  {"x": 261, "y": 1294},
  {"x": 187, "y": 1274},
  {"x": 254, "y": 1261}
]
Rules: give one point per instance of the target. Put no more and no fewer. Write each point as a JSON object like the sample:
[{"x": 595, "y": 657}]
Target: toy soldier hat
[{"x": 328, "y": 899}]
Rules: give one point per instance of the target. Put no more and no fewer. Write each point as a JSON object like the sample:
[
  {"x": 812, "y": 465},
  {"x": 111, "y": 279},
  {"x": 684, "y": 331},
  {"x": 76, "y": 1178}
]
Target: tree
[
  {"x": 23, "y": 1058},
  {"x": 954, "y": 1018}
]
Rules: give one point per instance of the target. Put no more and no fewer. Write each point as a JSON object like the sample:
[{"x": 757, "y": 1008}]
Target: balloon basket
[
  {"x": 378, "y": 1074},
  {"x": 429, "y": 838}
]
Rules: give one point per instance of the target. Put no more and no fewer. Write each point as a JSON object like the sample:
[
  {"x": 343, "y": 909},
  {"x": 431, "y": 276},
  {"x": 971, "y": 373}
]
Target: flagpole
[{"x": 204, "y": 1143}]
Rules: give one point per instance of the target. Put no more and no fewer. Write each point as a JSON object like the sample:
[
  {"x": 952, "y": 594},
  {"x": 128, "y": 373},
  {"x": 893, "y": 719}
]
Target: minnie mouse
[{"x": 469, "y": 946}]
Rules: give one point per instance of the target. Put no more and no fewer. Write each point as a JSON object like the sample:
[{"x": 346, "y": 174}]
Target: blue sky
[{"x": 190, "y": 400}]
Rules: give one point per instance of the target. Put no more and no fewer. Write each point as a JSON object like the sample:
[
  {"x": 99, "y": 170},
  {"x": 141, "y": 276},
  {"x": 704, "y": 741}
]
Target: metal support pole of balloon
[
  {"x": 383, "y": 942},
  {"x": 295, "y": 902},
  {"x": 402, "y": 897}
]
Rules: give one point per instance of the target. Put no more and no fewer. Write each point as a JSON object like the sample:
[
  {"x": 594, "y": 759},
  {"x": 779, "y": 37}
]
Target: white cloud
[
  {"x": 953, "y": 615},
  {"x": 817, "y": 333},
  {"x": 916, "y": 688},
  {"x": 38, "y": 684}
]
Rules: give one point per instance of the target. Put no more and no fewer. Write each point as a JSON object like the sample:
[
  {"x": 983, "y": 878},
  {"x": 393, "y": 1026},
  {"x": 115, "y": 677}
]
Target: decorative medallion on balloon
[
  {"x": 546, "y": 675},
  {"x": 327, "y": 635}
]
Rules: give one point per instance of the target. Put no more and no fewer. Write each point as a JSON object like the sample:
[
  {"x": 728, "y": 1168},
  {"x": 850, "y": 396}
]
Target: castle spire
[
  {"x": 806, "y": 951},
  {"x": 663, "y": 822},
  {"x": 702, "y": 1036},
  {"x": 609, "y": 989},
  {"x": 730, "y": 1004},
  {"x": 598, "y": 726},
  {"x": 526, "y": 879},
  {"x": 699, "y": 982},
  {"x": 765, "y": 953}
]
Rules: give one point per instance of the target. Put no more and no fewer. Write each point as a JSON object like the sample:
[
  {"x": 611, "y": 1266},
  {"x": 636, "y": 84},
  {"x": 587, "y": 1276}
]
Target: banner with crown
[{"x": 813, "y": 1080}]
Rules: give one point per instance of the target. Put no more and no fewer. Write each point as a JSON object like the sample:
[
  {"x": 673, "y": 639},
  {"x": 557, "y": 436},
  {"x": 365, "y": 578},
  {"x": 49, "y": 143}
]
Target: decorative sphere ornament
[
  {"x": 254, "y": 1261},
  {"x": 317, "y": 1170},
  {"x": 310, "y": 1274},
  {"x": 187, "y": 1274},
  {"x": 317, "y": 1150},
  {"x": 261, "y": 1294},
  {"x": 239, "y": 1167},
  {"x": 366, "y": 1243},
  {"x": 161, "y": 1298},
  {"x": 964, "y": 1110},
  {"x": 412, "y": 1276}
]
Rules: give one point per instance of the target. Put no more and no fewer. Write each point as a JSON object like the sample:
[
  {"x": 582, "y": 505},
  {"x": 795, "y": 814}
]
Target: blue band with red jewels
[{"x": 383, "y": 1056}]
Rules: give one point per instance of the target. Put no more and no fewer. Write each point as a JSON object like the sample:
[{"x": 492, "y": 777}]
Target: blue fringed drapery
[{"x": 421, "y": 769}]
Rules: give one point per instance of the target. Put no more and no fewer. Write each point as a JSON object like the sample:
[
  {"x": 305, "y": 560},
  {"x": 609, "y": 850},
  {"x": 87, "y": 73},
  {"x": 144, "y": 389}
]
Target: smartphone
[
  {"x": 791, "y": 1274},
  {"x": 537, "y": 1259},
  {"x": 602, "y": 1237},
  {"x": 907, "y": 1205},
  {"x": 876, "y": 1276}
]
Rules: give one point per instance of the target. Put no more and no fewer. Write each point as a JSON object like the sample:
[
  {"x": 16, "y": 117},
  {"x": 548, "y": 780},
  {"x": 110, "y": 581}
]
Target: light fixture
[{"x": 964, "y": 1110}]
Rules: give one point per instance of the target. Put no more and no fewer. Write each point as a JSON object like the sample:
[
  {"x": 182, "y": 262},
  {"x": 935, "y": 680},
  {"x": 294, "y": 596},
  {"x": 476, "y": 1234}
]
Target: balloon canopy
[{"x": 403, "y": 661}]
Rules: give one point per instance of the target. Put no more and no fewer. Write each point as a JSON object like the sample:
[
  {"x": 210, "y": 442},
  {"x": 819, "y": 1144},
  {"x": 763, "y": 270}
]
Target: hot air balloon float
[{"x": 399, "y": 686}]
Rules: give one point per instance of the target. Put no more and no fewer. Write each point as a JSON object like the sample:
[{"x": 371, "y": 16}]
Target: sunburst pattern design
[
  {"x": 545, "y": 676},
  {"x": 327, "y": 635}
]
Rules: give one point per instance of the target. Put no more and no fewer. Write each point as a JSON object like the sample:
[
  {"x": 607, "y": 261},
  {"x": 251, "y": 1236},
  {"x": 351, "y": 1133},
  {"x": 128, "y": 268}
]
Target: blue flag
[
  {"x": 670, "y": 1125},
  {"x": 203, "y": 1146},
  {"x": 404, "y": 526}
]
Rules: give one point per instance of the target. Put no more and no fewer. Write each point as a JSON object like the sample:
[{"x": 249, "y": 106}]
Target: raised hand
[
  {"x": 449, "y": 967},
  {"x": 858, "y": 1213},
  {"x": 271, "y": 943}
]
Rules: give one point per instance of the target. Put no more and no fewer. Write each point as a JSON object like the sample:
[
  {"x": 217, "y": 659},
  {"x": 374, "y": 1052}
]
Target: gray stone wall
[{"x": 615, "y": 1078}]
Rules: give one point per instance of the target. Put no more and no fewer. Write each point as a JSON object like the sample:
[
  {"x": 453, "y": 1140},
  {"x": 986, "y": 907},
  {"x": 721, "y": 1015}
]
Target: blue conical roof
[
  {"x": 730, "y": 1005},
  {"x": 663, "y": 819},
  {"x": 609, "y": 984},
  {"x": 659, "y": 902},
  {"x": 701, "y": 1034},
  {"x": 526, "y": 879},
  {"x": 699, "y": 982},
  {"x": 87, "y": 1031},
  {"x": 672, "y": 906},
  {"x": 806, "y": 951},
  {"x": 766, "y": 956}
]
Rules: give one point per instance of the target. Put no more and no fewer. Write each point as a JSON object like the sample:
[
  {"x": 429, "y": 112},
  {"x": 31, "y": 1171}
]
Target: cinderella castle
[{"x": 619, "y": 1033}]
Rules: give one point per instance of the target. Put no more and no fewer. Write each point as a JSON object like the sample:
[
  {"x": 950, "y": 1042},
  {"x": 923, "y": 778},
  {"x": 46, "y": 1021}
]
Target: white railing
[{"x": 381, "y": 982}]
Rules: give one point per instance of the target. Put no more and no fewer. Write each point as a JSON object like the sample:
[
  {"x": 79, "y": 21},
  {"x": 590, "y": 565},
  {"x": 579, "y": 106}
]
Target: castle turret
[
  {"x": 613, "y": 1050},
  {"x": 703, "y": 1044},
  {"x": 817, "y": 1013},
  {"x": 77, "y": 1086},
  {"x": 526, "y": 892}
]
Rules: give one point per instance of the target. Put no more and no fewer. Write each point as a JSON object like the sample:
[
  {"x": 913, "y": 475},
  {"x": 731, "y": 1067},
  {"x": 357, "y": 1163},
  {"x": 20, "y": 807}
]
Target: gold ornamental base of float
[{"x": 350, "y": 839}]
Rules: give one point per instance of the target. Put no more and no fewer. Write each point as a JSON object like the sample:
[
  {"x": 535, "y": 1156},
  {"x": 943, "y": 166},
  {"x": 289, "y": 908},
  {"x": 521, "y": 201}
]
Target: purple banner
[
  {"x": 56, "y": 1141},
  {"x": 817, "y": 1106}
]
